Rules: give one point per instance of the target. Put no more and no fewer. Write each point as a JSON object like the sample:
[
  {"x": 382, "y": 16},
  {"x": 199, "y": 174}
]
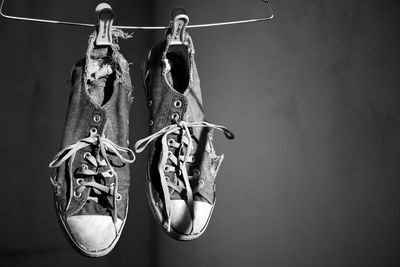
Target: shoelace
[
  {"x": 186, "y": 138},
  {"x": 68, "y": 154}
]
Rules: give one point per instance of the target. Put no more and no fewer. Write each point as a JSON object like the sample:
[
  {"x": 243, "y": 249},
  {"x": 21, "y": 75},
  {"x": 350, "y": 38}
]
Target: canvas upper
[
  {"x": 182, "y": 163},
  {"x": 92, "y": 177}
]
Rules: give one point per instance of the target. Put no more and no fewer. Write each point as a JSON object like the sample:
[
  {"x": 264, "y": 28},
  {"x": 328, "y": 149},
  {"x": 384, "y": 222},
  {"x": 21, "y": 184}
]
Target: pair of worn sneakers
[{"x": 92, "y": 178}]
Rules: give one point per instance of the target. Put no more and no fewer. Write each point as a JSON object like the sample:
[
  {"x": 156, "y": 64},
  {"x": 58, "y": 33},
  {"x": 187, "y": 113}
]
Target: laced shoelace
[
  {"x": 186, "y": 139},
  {"x": 104, "y": 145}
]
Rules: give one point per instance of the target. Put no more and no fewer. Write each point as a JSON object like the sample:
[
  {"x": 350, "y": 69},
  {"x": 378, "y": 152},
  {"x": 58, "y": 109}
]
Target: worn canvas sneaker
[
  {"x": 92, "y": 173},
  {"x": 182, "y": 163}
]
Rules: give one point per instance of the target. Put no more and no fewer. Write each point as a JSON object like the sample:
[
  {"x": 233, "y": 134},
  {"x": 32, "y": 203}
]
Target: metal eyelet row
[
  {"x": 96, "y": 118},
  {"x": 178, "y": 104}
]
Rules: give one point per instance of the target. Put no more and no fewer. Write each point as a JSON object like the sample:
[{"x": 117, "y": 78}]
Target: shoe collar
[{"x": 191, "y": 51}]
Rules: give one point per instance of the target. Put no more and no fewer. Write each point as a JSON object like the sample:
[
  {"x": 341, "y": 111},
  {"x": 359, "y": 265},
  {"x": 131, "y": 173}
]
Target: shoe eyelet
[
  {"x": 77, "y": 195},
  {"x": 118, "y": 197},
  {"x": 196, "y": 172},
  {"x": 86, "y": 155},
  {"x": 84, "y": 167},
  {"x": 166, "y": 168},
  {"x": 175, "y": 117},
  {"x": 201, "y": 182},
  {"x": 192, "y": 158},
  {"x": 150, "y": 103},
  {"x": 97, "y": 118},
  {"x": 171, "y": 142},
  {"x": 79, "y": 181},
  {"x": 178, "y": 103},
  {"x": 151, "y": 122},
  {"x": 93, "y": 130}
]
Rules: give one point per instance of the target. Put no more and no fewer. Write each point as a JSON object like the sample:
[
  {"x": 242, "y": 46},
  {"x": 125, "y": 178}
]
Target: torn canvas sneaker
[
  {"x": 92, "y": 177},
  {"x": 182, "y": 162}
]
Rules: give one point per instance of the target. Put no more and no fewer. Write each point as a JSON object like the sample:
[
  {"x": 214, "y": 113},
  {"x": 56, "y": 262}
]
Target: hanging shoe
[
  {"x": 182, "y": 163},
  {"x": 92, "y": 177}
]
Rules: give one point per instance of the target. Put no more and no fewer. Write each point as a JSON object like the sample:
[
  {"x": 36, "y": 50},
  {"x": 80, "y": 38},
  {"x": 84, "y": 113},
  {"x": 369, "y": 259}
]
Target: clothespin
[
  {"x": 179, "y": 21},
  {"x": 105, "y": 19}
]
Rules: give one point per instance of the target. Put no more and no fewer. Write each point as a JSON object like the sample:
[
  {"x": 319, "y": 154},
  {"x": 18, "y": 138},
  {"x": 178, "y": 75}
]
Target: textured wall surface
[{"x": 312, "y": 97}]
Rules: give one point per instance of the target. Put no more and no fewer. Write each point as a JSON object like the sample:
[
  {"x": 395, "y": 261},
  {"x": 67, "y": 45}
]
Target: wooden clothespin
[
  {"x": 105, "y": 19},
  {"x": 179, "y": 21}
]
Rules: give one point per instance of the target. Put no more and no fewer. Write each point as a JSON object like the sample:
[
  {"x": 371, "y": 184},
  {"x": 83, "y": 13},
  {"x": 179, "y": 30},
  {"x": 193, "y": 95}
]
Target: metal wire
[{"x": 271, "y": 15}]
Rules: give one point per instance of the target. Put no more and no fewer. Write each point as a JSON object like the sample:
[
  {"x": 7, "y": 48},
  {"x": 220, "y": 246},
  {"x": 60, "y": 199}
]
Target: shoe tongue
[
  {"x": 197, "y": 197},
  {"x": 174, "y": 195},
  {"x": 92, "y": 207},
  {"x": 99, "y": 52}
]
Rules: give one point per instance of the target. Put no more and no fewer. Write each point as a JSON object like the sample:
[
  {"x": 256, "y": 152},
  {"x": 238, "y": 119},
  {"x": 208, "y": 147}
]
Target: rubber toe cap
[
  {"x": 181, "y": 221},
  {"x": 95, "y": 235}
]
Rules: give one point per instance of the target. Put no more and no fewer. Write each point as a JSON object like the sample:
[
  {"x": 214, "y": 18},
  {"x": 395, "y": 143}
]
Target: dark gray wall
[{"x": 312, "y": 177}]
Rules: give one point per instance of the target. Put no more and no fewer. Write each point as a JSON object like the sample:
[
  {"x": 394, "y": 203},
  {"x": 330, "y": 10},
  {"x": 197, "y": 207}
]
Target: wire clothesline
[{"x": 269, "y": 17}]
